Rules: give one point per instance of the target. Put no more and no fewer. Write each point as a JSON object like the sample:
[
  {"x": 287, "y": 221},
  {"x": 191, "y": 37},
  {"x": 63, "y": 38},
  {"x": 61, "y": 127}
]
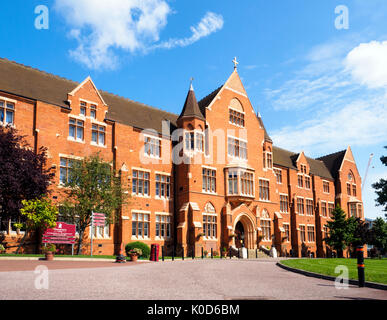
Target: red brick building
[{"x": 207, "y": 178}]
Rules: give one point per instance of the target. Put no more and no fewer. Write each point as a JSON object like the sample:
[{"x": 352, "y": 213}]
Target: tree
[
  {"x": 381, "y": 188},
  {"x": 379, "y": 235},
  {"x": 40, "y": 214},
  {"x": 359, "y": 233},
  {"x": 92, "y": 186},
  {"x": 23, "y": 174},
  {"x": 339, "y": 234}
]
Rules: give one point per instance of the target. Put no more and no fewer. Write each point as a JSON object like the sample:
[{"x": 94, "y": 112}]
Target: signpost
[
  {"x": 63, "y": 233},
  {"x": 97, "y": 220}
]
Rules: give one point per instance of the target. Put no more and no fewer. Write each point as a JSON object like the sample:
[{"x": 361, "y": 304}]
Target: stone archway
[{"x": 244, "y": 231}]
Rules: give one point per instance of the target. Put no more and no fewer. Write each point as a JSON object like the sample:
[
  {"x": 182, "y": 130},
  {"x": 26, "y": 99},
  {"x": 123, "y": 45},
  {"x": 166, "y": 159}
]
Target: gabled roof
[
  {"x": 191, "y": 107},
  {"x": 206, "y": 101},
  {"x": 287, "y": 159},
  {"x": 333, "y": 162},
  {"x": 38, "y": 85}
]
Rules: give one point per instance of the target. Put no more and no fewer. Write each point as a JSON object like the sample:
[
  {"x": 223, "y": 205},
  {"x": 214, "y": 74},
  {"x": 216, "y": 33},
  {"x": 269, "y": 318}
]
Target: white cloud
[
  {"x": 368, "y": 64},
  {"x": 340, "y": 110},
  {"x": 210, "y": 23},
  {"x": 358, "y": 123},
  {"x": 102, "y": 27}
]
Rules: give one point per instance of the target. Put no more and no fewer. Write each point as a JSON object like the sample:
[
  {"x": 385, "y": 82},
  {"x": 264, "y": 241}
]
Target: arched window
[{"x": 236, "y": 113}]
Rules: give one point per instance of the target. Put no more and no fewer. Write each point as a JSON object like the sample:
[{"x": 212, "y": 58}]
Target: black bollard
[
  {"x": 173, "y": 253},
  {"x": 193, "y": 254},
  {"x": 182, "y": 254},
  {"x": 239, "y": 254},
  {"x": 229, "y": 250},
  {"x": 212, "y": 254},
  {"x": 360, "y": 266},
  {"x": 256, "y": 253},
  {"x": 162, "y": 253},
  {"x": 202, "y": 253}
]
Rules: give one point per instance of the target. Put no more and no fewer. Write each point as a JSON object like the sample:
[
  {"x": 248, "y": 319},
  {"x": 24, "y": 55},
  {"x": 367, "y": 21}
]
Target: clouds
[
  {"x": 210, "y": 23},
  {"x": 367, "y": 64},
  {"x": 102, "y": 28},
  {"x": 341, "y": 96}
]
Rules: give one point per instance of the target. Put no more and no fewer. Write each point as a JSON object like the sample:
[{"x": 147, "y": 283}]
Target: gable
[{"x": 87, "y": 89}]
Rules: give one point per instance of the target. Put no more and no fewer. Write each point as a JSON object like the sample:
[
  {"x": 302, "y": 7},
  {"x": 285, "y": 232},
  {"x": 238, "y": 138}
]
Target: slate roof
[
  {"x": 191, "y": 107},
  {"x": 34, "y": 84},
  {"x": 288, "y": 159},
  {"x": 206, "y": 101},
  {"x": 333, "y": 162}
]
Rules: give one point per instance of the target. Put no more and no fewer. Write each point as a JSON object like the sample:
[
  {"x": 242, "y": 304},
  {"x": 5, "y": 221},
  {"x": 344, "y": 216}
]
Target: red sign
[
  {"x": 63, "y": 233},
  {"x": 98, "y": 219}
]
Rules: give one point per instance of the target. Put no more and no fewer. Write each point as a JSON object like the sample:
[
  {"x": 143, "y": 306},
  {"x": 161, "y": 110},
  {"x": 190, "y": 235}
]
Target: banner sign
[
  {"x": 63, "y": 233},
  {"x": 98, "y": 219}
]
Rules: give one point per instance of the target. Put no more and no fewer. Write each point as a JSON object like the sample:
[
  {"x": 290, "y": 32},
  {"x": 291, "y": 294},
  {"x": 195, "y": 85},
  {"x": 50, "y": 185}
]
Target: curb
[
  {"x": 368, "y": 284},
  {"x": 61, "y": 259}
]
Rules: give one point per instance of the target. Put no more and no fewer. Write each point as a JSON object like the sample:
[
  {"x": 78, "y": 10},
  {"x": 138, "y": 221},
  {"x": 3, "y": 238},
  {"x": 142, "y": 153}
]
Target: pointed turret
[{"x": 191, "y": 108}]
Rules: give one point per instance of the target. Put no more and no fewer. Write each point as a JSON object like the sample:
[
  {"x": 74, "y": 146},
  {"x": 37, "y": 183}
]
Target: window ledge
[
  {"x": 76, "y": 140},
  {"x": 98, "y": 145},
  {"x": 140, "y": 196}
]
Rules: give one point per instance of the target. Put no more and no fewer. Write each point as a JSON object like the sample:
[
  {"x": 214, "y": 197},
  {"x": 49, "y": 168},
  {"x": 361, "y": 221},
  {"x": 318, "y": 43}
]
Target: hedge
[{"x": 140, "y": 245}]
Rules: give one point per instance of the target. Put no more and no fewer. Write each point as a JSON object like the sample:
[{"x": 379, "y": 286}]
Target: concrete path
[{"x": 178, "y": 280}]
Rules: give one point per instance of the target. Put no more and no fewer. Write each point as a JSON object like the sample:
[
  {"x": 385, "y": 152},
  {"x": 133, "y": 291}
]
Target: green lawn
[{"x": 375, "y": 269}]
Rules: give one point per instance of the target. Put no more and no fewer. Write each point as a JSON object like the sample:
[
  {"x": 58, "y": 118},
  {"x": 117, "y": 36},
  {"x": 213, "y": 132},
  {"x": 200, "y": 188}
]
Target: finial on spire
[
  {"x": 235, "y": 63},
  {"x": 191, "y": 86}
]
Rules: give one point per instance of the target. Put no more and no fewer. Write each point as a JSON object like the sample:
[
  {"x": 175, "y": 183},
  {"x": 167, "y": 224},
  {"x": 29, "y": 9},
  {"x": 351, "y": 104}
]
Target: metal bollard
[
  {"x": 212, "y": 254},
  {"x": 173, "y": 253},
  {"x": 193, "y": 254},
  {"x": 202, "y": 253},
  {"x": 229, "y": 250},
  {"x": 182, "y": 254},
  {"x": 360, "y": 266},
  {"x": 162, "y": 253},
  {"x": 256, "y": 253}
]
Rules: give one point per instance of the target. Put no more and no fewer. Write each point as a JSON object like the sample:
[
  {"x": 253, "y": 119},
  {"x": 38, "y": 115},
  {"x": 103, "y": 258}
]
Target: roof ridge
[
  {"x": 208, "y": 95},
  {"x": 286, "y": 150},
  {"x": 40, "y": 71},
  {"x": 140, "y": 103},
  {"x": 77, "y": 83},
  {"x": 331, "y": 154}
]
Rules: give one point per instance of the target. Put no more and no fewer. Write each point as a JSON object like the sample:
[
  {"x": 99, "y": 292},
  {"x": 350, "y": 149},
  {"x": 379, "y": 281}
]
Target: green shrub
[
  {"x": 139, "y": 245},
  {"x": 2, "y": 248}
]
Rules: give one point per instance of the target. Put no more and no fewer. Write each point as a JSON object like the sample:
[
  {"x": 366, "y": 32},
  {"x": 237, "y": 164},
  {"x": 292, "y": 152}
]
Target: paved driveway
[{"x": 196, "y": 280}]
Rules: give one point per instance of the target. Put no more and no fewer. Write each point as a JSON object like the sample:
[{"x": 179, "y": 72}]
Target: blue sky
[{"x": 303, "y": 74}]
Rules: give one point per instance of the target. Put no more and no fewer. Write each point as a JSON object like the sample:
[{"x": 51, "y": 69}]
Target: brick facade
[{"x": 215, "y": 200}]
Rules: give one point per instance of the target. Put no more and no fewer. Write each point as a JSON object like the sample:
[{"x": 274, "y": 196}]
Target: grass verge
[{"x": 375, "y": 269}]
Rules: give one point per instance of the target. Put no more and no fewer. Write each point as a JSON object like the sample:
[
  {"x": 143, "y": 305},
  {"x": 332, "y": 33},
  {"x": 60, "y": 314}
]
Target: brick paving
[{"x": 178, "y": 280}]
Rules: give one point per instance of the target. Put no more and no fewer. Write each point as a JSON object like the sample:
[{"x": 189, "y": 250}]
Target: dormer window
[
  {"x": 93, "y": 111},
  {"x": 83, "y": 109}
]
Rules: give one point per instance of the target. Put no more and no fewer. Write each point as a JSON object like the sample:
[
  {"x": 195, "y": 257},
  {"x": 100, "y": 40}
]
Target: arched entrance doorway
[
  {"x": 239, "y": 235},
  {"x": 245, "y": 232}
]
